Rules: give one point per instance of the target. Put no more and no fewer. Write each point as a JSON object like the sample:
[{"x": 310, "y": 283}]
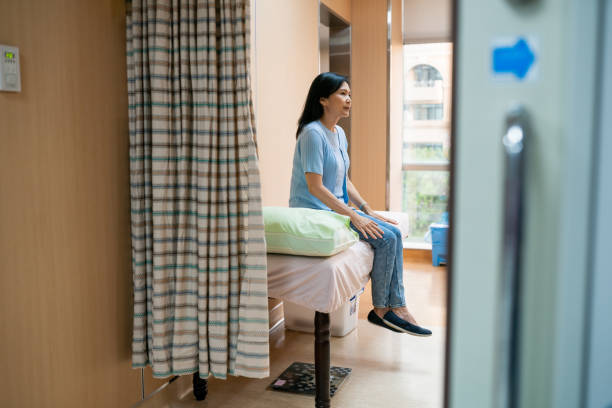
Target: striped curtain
[{"x": 198, "y": 249}]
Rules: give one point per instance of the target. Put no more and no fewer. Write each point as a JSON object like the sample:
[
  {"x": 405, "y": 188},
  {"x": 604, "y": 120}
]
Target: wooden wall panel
[
  {"x": 370, "y": 101},
  {"x": 65, "y": 275}
]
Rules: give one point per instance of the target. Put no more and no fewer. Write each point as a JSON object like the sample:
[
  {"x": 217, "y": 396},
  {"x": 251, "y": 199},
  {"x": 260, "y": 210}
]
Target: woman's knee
[
  {"x": 389, "y": 236},
  {"x": 396, "y": 231},
  {"x": 397, "y": 234},
  {"x": 391, "y": 228}
]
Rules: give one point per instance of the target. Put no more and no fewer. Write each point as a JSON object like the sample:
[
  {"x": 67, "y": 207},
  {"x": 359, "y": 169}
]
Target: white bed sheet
[{"x": 324, "y": 283}]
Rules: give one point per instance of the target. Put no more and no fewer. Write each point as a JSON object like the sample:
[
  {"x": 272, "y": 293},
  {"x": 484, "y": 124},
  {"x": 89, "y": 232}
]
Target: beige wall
[
  {"x": 287, "y": 60},
  {"x": 427, "y": 21},
  {"x": 370, "y": 100},
  {"x": 65, "y": 275}
]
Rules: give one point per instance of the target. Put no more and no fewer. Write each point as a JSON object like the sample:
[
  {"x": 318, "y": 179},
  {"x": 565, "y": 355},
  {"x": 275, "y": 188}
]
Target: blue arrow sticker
[{"x": 514, "y": 59}]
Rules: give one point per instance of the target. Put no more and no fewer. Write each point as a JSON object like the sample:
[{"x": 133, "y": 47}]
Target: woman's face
[{"x": 339, "y": 103}]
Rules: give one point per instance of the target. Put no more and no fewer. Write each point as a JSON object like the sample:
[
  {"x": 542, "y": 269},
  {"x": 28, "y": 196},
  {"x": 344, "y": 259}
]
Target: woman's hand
[
  {"x": 374, "y": 214},
  {"x": 366, "y": 226}
]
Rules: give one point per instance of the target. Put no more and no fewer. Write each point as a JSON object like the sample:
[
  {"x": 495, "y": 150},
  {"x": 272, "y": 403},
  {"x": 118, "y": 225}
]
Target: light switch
[
  {"x": 11, "y": 80},
  {"x": 10, "y": 77}
]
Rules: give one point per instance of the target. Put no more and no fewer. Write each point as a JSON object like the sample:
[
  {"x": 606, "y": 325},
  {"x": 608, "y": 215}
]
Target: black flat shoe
[
  {"x": 394, "y": 321},
  {"x": 374, "y": 319}
]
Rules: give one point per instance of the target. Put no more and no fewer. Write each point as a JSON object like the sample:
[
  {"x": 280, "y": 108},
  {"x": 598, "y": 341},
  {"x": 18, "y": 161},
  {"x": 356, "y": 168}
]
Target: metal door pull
[{"x": 513, "y": 141}]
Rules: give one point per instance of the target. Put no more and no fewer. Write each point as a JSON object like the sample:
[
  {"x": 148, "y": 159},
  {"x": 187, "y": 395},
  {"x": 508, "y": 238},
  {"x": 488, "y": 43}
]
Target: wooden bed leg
[
  {"x": 200, "y": 387},
  {"x": 322, "y": 362}
]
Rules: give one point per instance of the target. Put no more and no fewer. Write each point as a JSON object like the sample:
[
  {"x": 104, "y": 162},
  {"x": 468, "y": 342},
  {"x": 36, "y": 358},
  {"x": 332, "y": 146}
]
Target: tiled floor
[{"x": 389, "y": 369}]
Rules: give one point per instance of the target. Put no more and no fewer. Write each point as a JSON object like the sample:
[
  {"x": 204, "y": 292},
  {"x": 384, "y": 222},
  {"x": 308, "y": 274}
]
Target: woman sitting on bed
[{"x": 320, "y": 180}]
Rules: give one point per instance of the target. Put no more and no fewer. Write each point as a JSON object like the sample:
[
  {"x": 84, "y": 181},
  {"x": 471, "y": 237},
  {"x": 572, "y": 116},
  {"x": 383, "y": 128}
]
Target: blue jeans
[{"x": 387, "y": 271}]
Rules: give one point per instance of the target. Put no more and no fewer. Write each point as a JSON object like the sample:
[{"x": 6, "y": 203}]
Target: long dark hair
[{"x": 322, "y": 86}]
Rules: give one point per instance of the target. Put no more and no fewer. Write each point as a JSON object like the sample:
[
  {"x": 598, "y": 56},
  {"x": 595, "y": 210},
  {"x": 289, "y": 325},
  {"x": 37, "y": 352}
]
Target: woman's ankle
[{"x": 380, "y": 311}]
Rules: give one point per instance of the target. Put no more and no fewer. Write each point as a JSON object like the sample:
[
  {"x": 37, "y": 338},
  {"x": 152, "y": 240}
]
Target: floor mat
[{"x": 299, "y": 379}]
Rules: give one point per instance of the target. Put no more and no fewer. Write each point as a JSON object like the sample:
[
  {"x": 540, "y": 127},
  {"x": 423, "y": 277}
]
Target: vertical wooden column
[
  {"x": 396, "y": 109},
  {"x": 369, "y": 87},
  {"x": 322, "y": 360}
]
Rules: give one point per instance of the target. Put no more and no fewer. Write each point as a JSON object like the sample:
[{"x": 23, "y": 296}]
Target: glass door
[{"x": 542, "y": 56}]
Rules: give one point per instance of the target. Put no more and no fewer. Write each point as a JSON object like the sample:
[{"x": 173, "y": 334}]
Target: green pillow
[{"x": 304, "y": 231}]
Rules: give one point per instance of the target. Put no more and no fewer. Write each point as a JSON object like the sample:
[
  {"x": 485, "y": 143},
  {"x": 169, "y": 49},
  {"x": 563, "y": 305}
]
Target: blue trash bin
[{"x": 439, "y": 247}]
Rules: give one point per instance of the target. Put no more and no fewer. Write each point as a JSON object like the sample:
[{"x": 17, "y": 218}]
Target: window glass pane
[
  {"x": 425, "y": 111},
  {"x": 424, "y": 198},
  {"x": 427, "y": 152},
  {"x": 427, "y": 96},
  {"x": 424, "y": 76}
]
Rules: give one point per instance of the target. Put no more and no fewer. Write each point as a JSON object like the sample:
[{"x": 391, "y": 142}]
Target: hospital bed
[{"x": 321, "y": 284}]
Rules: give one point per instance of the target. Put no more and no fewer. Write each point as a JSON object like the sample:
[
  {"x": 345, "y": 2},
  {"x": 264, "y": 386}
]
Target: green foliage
[
  {"x": 425, "y": 198},
  {"x": 425, "y": 152}
]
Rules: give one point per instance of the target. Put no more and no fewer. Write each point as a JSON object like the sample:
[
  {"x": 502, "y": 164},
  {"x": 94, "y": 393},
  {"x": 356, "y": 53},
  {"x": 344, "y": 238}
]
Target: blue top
[{"x": 319, "y": 150}]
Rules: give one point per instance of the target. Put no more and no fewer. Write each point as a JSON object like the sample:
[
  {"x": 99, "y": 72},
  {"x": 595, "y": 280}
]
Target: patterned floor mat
[{"x": 299, "y": 379}]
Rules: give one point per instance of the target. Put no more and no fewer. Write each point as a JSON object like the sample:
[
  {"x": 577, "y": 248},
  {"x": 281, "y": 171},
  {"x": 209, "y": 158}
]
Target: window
[
  {"x": 425, "y": 111},
  {"x": 426, "y": 135},
  {"x": 424, "y": 75}
]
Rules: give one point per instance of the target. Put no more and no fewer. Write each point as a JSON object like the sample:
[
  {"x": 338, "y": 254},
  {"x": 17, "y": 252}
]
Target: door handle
[
  {"x": 513, "y": 141},
  {"x": 521, "y": 2}
]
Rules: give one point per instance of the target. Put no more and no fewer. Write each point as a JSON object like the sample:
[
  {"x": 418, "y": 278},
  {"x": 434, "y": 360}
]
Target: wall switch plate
[{"x": 10, "y": 72}]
